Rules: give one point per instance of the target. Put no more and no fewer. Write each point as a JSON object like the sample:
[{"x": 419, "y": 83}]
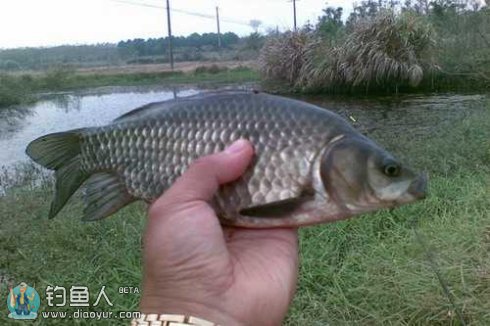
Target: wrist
[
  {"x": 165, "y": 305},
  {"x": 169, "y": 320}
]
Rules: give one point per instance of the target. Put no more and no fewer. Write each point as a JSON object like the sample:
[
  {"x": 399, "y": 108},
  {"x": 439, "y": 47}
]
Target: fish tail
[{"x": 60, "y": 152}]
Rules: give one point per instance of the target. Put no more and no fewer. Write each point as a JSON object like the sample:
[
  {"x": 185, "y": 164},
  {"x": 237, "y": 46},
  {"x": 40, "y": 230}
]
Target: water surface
[
  {"x": 388, "y": 116},
  {"x": 60, "y": 112}
]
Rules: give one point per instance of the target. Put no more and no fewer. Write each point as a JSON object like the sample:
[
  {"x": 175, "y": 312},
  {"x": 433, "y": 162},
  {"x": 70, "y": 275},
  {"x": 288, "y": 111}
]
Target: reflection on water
[
  {"x": 388, "y": 117},
  {"x": 67, "y": 102},
  {"x": 416, "y": 115},
  {"x": 20, "y": 125},
  {"x": 11, "y": 120}
]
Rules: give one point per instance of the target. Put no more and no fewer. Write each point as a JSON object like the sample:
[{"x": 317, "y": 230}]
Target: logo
[{"x": 23, "y": 302}]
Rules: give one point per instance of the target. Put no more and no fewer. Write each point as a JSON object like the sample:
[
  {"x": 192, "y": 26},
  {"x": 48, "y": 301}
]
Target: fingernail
[{"x": 236, "y": 147}]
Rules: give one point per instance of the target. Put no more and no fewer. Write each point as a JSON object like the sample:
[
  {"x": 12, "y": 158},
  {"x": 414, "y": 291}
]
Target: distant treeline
[
  {"x": 158, "y": 46},
  {"x": 42, "y": 58},
  {"x": 195, "y": 47}
]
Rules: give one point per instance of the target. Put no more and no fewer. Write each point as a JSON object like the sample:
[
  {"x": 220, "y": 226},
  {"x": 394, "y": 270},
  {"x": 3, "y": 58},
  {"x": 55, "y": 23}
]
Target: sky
[{"x": 32, "y": 23}]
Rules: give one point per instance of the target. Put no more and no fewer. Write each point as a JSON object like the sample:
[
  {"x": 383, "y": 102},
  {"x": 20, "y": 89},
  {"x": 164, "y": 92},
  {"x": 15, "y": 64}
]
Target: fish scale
[
  {"x": 143, "y": 152},
  {"x": 277, "y": 151}
]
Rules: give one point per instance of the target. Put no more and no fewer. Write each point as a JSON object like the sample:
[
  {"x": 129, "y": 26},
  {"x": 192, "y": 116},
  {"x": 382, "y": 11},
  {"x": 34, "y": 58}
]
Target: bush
[
  {"x": 386, "y": 50},
  {"x": 282, "y": 56},
  {"x": 378, "y": 53},
  {"x": 57, "y": 77},
  {"x": 213, "y": 69},
  {"x": 12, "y": 90},
  {"x": 9, "y": 65}
]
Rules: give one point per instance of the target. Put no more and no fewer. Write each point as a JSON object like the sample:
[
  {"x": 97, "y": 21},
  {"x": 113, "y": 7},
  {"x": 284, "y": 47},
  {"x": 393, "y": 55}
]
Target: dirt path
[{"x": 151, "y": 68}]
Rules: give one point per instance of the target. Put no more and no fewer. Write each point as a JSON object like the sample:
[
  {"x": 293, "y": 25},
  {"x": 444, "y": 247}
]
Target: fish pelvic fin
[
  {"x": 105, "y": 194},
  {"x": 60, "y": 152}
]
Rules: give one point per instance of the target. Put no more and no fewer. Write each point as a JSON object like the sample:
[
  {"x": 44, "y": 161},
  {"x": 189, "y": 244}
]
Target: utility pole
[
  {"x": 219, "y": 31},
  {"x": 294, "y": 10},
  {"x": 170, "y": 47}
]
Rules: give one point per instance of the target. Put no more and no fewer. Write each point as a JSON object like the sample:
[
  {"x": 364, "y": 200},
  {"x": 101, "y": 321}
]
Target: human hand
[{"x": 193, "y": 266}]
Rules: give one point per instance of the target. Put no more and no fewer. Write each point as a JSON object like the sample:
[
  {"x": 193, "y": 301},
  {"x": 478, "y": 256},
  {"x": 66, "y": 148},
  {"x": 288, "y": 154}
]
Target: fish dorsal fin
[
  {"x": 105, "y": 194},
  {"x": 155, "y": 107},
  {"x": 143, "y": 111}
]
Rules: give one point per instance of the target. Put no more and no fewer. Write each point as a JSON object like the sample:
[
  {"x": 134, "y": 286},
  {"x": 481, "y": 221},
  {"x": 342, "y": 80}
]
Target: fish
[{"x": 310, "y": 165}]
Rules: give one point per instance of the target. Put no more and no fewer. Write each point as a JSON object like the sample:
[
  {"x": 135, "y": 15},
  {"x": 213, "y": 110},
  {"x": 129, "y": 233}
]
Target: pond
[{"x": 58, "y": 112}]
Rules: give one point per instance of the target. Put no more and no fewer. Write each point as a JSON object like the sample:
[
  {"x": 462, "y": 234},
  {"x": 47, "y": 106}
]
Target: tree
[
  {"x": 254, "y": 41},
  {"x": 330, "y": 22},
  {"x": 229, "y": 38},
  {"x": 366, "y": 10},
  {"x": 255, "y": 24}
]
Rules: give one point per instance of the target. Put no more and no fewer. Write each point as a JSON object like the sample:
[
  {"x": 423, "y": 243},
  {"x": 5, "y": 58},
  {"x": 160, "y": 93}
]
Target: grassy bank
[
  {"x": 370, "y": 270},
  {"x": 382, "y": 49},
  {"x": 22, "y": 88},
  {"x": 374, "y": 271}
]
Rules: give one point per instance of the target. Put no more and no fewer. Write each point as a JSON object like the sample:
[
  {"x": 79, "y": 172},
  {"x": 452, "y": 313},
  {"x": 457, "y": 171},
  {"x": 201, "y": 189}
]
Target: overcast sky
[{"x": 55, "y": 22}]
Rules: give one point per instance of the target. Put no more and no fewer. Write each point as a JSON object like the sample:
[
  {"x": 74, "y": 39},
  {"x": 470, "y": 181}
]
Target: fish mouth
[{"x": 418, "y": 188}]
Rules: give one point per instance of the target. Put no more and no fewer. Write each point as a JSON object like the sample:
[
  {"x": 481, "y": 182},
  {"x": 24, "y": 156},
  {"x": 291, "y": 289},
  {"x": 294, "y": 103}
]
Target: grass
[
  {"x": 65, "y": 252},
  {"x": 18, "y": 89},
  {"x": 389, "y": 53},
  {"x": 369, "y": 271},
  {"x": 373, "y": 270}
]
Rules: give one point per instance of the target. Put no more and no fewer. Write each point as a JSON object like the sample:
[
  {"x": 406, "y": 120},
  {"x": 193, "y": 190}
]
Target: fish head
[{"x": 359, "y": 176}]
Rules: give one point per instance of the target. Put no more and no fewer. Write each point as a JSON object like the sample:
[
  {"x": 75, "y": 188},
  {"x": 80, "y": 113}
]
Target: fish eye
[{"x": 392, "y": 169}]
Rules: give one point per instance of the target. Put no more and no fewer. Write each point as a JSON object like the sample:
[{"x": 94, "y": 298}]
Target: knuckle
[
  {"x": 157, "y": 207},
  {"x": 161, "y": 205}
]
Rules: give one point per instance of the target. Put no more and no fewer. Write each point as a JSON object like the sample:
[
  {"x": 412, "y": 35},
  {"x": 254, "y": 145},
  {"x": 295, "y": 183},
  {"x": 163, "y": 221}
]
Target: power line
[
  {"x": 185, "y": 12},
  {"x": 139, "y": 4}
]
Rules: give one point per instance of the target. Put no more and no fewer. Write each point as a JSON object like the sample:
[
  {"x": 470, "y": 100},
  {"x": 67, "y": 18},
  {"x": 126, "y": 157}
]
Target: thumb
[{"x": 203, "y": 177}]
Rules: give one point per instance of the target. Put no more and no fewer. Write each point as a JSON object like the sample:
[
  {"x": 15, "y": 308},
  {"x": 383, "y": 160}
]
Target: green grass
[
  {"x": 373, "y": 270},
  {"x": 370, "y": 270},
  {"x": 386, "y": 51},
  {"x": 18, "y": 89},
  {"x": 202, "y": 76}
]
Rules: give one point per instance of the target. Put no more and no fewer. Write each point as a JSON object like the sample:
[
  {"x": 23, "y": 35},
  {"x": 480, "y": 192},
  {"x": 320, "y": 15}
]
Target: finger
[{"x": 202, "y": 179}]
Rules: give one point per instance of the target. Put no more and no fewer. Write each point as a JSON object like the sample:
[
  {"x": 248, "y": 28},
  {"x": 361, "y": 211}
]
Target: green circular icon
[{"x": 23, "y": 302}]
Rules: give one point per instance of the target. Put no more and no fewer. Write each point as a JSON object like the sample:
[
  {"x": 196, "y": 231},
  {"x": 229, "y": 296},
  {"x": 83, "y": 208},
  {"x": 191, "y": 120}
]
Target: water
[
  {"x": 390, "y": 116},
  {"x": 20, "y": 125},
  {"x": 413, "y": 114}
]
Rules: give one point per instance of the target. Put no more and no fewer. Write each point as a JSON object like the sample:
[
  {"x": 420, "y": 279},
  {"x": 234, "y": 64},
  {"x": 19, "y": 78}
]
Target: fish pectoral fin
[
  {"x": 276, "y": 209},
  {"x": 105, "y": 194}
]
